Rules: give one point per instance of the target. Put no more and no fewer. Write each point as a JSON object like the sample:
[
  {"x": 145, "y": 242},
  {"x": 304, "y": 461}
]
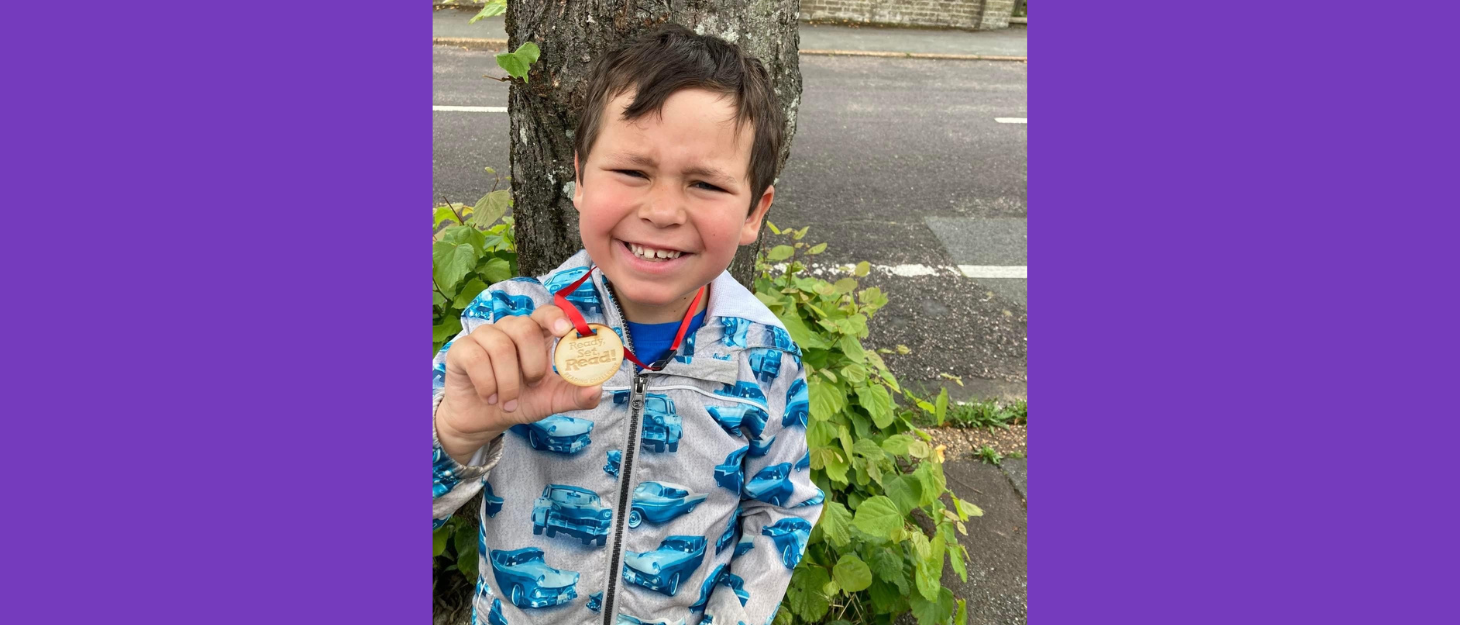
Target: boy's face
[{"x": 676, "y": 185}]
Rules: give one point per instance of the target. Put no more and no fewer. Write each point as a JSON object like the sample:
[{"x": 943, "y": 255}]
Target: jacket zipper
[{"x": 626, "y": 468}]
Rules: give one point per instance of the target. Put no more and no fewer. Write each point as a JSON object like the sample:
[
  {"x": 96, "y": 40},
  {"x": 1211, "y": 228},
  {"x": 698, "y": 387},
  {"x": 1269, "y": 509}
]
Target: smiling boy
[{"x": 623, "y": 510}]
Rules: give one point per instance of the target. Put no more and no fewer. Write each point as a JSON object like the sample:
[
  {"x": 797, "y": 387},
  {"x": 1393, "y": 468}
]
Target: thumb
[{"x": 568, "y": 397}]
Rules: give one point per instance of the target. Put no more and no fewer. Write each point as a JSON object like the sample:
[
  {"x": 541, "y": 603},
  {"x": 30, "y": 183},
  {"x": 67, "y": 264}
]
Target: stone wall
[{"x": 967, "y": 14}]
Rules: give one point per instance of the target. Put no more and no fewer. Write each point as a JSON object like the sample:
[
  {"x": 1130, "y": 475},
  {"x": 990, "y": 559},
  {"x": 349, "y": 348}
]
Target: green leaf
[
  {"x": 773, "y": 227},
  {"x": 514, "y": 65},
  {"x": 496, "y": 270},
  {"x": 919, "y": 449},
  {"x": 851, "y": 573},
  {"x": 855, "y": 374},
  {"x": 442, "y": 214},
  {"x": 966, "y": 509},
  {"x": 897, "y": 444},
  {"x": 779, "y": 253},
  {"x": 955, "y": 557},
  {"x": 930, "y": 475},
  {"x": 887, "y": 564},
  {"x": 835, "y": 466},
  {"x": 878, "y": 516},
  {"x": 438, "y": 540},
  {"x": 450, "y": 262},
  {"x": 490, "y": 208},
  {"x": 872, "y": 299},
  {"x": 852, "y": 347},
  {"x": 437, "y": 299},
  {"x": 442, "y": 332},
  {"x": 802, "y": 335},
  {"x": 845, "y": 285},
  {"x": 934, "y": 612},
  {"x": 529, "y": 52},
  {"x": 906, "y": 492},
  {"x": 940, "y": 407},
  {"x": 862, "y": 269},
  {"x": 804, "y": 594},
  {"x": 465, "y": 235},
  {"x": 827, "y": 399},
  {"x": 491, "y": 9},
  {"x": 878, "y": 404},
  {"x": 834, "y": 523},
  {"x": 817, "y": 249},
  {"x": 962, "y": 617},
  {"x": 868, "y": 448},
  {"x": 468, "y": 292}
]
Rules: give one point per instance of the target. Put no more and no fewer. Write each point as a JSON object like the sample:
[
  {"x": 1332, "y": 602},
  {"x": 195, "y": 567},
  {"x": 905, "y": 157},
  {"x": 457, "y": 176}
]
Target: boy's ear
[
  {"x": 751, "y": 229},
  {"x": 577, "y": 183}
]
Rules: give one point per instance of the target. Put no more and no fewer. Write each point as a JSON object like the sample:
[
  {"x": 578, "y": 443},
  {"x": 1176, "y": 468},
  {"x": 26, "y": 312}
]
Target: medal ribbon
[{"x": 560, "y": 298}]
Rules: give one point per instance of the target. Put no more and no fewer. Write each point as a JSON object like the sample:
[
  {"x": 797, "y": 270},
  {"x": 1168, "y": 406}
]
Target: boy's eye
[
  {"x": 630, "y": 172},
  {"x": 708, "y": 186}
]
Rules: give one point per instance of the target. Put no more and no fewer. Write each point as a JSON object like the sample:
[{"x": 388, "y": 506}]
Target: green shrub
[
  {"x": 468, "y": 257},
  {"x": 889, "y": 522}
]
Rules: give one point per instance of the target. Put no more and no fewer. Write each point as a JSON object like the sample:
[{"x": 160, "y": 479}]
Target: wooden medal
[{"x": 589, "y": 360}]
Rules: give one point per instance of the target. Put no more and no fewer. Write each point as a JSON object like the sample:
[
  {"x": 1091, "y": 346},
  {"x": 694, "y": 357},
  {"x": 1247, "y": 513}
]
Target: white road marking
[
  {"x": 995, "y": 271},
  {"x": 470, "y": 109},
  {"x": 1017, "y": 272},
  {"x": 1012, "y": 120}
]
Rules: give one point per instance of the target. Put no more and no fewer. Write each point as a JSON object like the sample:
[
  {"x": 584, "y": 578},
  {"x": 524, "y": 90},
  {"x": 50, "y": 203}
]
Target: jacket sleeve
[
  {"x": 454, "y": 483},
  {"x": 765, "y": 570}
]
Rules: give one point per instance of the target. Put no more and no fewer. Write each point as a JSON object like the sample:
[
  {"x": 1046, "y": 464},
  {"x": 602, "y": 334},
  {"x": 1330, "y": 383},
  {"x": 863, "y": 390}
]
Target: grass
[
  {"x": 982, "y": 414},
  {"x": 987, "y": 454}
]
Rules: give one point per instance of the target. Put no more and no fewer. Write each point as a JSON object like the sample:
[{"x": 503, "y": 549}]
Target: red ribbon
[{"x": 560, "y": 298}]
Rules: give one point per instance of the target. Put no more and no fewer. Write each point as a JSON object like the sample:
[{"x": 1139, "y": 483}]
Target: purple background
[{"x": 215, "y": 356}]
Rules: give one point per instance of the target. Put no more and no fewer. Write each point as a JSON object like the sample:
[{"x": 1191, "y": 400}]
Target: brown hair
[{"x": 671, "y": 58}]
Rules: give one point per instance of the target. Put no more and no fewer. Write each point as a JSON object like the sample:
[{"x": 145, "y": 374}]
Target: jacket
[{"x": 684, "y": 497}]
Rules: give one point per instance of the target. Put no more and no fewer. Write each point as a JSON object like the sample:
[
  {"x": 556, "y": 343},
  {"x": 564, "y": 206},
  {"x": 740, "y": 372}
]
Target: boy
[{"x": 678, "y": 491}]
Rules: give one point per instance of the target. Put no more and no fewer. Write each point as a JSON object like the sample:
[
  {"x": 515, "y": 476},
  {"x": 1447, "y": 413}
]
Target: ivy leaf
[
  {"x": 919, "y": 449},
  {"x": 780, "y": 253},
  {"x": 834, "y": 522},
  {"x": 888, "y": 566},
  {"x": 827, "y": 399},
  {"x": 517, "y": 62},
  {"x": 878, "y": 516},
  {"x": 863, "y": 268},
  {"x": 465, "y": 235},
  {"x": 872, "y": 299},
  {"x": 450, "y": 262},
  {"x": 927, "y": 583},
  {"x": 804, "y": 593},
  {"x": 835, "y": 466},
  {"x": 496, "y": 270},
  {"x": 851, "y": 573},
  {"x": 468, "y": 292},
  {"x": 817, "y": 249},
  {"x": 437, "y": 299},
  {"x": 491, "y": 208},
  {"x": 933, "y": 612},
  {"x": 855, "y": 373},
  {"x": 529, "y": 52},
  {"x": 878, "y": 404}
]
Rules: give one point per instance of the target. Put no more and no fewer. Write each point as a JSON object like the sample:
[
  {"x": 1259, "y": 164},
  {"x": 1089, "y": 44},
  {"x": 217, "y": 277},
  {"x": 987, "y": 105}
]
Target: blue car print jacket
[{"x": 682, "y": 498}]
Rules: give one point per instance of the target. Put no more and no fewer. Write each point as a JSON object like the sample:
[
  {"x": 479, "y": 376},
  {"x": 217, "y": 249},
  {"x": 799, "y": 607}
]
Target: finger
[
  {"x": 531, "y": 348},
  {"x": 468, "y": 360},
  {"x": 552, "y": 320},
  {"x": 567, "y": 397},
  {"x": 504, "y": 364}
]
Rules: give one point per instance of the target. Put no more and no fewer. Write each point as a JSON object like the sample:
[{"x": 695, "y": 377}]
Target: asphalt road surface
[{"x": 898, "y": 162}]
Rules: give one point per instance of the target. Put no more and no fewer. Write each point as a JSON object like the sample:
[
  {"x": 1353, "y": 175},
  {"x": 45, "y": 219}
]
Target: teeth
[{"x": 653, "y": 254}]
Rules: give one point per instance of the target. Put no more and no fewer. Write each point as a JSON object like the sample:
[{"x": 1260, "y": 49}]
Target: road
[{"x": 898, "y": 162}]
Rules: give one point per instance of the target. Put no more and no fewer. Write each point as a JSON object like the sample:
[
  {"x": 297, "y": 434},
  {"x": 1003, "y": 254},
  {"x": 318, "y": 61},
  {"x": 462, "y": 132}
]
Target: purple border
[
  {"x": 1243, "y": 313},
  {"x": 226, "y": 336}
]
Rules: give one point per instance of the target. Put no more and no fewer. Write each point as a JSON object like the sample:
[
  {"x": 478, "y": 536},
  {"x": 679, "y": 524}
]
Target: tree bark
[{"x": 571, "y": 34}]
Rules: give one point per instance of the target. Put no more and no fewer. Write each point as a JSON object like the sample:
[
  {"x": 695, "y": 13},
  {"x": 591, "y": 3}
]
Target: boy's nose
[{"x": 665, "y": 207}]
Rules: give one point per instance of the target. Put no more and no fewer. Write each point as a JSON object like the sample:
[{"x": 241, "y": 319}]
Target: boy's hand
[{"x": 500, "y": 375}]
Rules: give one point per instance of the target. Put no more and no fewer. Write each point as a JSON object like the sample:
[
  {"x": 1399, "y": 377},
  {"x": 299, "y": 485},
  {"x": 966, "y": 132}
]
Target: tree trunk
[{"x": 571, "y": 35}]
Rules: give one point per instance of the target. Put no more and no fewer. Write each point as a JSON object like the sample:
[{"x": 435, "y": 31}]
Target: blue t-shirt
[{"x": 652, "y": 340}]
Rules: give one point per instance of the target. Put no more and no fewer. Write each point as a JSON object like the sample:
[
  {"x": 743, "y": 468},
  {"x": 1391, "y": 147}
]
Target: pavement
[{"x": 1008, "y": 43}]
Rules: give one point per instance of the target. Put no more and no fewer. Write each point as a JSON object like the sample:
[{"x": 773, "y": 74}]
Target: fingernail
[
  {"x": 560, "y": 326},
  {"x": 492, "y": 401},
  {"x": 510, "y": 406}
]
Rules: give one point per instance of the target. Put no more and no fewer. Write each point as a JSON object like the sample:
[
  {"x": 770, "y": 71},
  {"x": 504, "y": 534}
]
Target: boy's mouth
[{"x": 653, "y": 254}]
